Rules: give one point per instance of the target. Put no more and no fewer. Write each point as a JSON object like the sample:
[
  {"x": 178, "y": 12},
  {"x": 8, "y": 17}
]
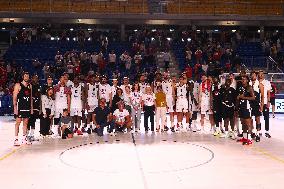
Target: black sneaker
[
  {"x": 89, "y": 131},
  {"x": 173, "y": 129},
  {"x": 267, "y": 135},
  {"x": 166, "y": 128},
  {"x": 64, "y": 137},
  {"x": 252, "y": 135},
  {"x": 240, "y": 135},
  {"x": 257, "y": 138}
]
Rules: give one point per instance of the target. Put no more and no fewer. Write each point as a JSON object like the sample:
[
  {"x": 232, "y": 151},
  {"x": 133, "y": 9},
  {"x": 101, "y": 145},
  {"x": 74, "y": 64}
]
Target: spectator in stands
[
  {"x": 198, "y": 55},
  {"x": 273, "y": 97},
  {"x": 167, "y": 59},
  {"x": 112, "y": 60},
  {"x": 188, "y": 56},
  {"x": 137, "y": 60}
]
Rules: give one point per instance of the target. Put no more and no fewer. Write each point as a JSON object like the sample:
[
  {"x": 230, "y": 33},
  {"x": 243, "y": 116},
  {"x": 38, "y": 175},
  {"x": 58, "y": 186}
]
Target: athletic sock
[{"x": 32, "y": 132}]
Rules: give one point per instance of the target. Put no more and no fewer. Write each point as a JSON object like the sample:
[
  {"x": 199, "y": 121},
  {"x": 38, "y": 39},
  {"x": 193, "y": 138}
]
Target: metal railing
[{"x": 265, "y": 63}]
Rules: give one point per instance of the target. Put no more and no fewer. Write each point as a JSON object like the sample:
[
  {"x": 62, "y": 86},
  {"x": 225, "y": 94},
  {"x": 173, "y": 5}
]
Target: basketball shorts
[{"x": 182, "y": 105}]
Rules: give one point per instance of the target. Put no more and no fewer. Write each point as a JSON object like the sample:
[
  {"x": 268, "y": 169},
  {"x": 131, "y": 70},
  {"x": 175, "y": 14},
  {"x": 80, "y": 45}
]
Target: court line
[
  {"x": 9, "y": 154},
  {"x": 267, "y": 154}
]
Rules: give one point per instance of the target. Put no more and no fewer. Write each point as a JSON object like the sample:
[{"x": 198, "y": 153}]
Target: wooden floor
[{"x": 148, "y": 161}]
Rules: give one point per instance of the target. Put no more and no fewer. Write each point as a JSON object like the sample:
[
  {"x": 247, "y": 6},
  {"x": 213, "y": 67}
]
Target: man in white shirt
[
  {"x": 266, "y": 100},
  {"x": 122, "y": 118},
  {"x": 105, "y": 91}
]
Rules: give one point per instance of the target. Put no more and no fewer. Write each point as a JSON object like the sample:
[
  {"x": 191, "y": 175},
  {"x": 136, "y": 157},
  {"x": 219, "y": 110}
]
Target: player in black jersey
[
  {"x": 257, "y": 104},
  {"x": 36, "y": 97},
  {"x": 229, "y": 97},
  {"x": 22, "y": 107},
  {"x": 244, "y": 97},
  {"x": 216, "y": 101}
]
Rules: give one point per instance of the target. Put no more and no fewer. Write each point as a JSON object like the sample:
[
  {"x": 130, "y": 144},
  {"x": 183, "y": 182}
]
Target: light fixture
[
  {"x": 74, "y": 38},
  {"x": 153, "y": 30},
  {"x": 216, "y": 30},
  {"x": 89, "y": 39},
  {"x": 171, "y": 30},
  {"x": 182, "y": 40},
  {"x": 258, "y": 31},
  {"x": 234, "y": 31},
  {"x": 52, "y": 38},
  {"x": 168, "y": 38},
  {"x": 188, "y": 39},
  {"x": 198, "y": 30},
  {"x": 3, "y": 28},
  {"x": 89, "y": 29},
  {"x": 67, "y": 38},
  {"x": 135, "y": 30},
  {"x": 71, "y": 29},
  {"x": 152, "y": 38},
  {"x": 79, "y": 20},
  {"x": 24, "y": 28},
  {"x": 277, "y": 31}
]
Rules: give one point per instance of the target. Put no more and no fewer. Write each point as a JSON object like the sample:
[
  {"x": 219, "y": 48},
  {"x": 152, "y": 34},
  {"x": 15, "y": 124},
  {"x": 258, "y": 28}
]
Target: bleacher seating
[
  {"x": 225, "y": 7},
  {"x": 45, "y": 51},
  {"x": 112, "y": 6}
]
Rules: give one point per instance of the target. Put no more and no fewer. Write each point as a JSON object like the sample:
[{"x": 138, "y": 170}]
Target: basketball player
[
  {"x": 77, "y": 101},
  {"x": 92, "y": 91},
  {"x": 216, "y": 105},
  {"x": 169, "y": 90},
  {"x": 62, "y": 101},
  {"x": 228, "y": 100},
  {"x": 114, "y": 87},
  {"x": 142, "y": 83},
  {"x": 22, "y": 107},
  {"x": 105, "y": 91},
  {"x": 257, "y": 104},
  {"x": 36, "y": 97},
  {"x": 182, "y": 102},
  {"x": 244, "y": 97},
  {"x": 205, "y": 101},
  {"x": 266, "y": 101},
  {"x": 195, "y": 105}
]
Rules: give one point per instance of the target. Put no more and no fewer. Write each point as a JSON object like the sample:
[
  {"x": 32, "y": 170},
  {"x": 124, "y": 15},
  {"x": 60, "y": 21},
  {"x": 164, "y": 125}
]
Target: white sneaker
[
  {"x": 26, "y": 141},
  {"x": 112, "y": 134},
  {"x": 16, "y": 142},
  {"x": 232, "y": 135},
  {"x": 223, "y": 135}
]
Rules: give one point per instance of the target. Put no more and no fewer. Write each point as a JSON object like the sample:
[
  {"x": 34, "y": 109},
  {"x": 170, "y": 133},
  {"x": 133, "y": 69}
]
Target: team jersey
[
  {"x": 266, "y": 87},
  {"x": 36, "y": 95},
  {"x": 142, "y": 86},
  {"x": 24, "y": 98},
  {"x": 167, "y": 87},
  {"x": 181, "y": 91},
  {"x": 229, "y": 97},
  {"x": 127, "y": 99},
  {"x": 255, "y": 86},
  {"x": 104, "y": 91},
  {"x": 149, "y": 99},
  {"x": 76, "y": 96},
  {"x": 136, "y": 98},
  {"x": 93, "y": 94},
  {"x": 205, "y": 92},
  {"x": 244, "y": 104},
  {"x": 61, "y": 93},
  {"x": 156, "y": 85},
  {"x": 120, "y": 115},
  {"x": 216, "y": 97}
]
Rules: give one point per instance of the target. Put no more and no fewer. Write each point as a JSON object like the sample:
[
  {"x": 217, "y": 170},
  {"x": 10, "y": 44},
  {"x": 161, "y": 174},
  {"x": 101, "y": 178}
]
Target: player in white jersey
[
  {"x": 142, "y": 83},
  {"x": 114, "y": 87},
  {"x": 105, "y": 91},
  {"x": 77, "y": 101},
  {"x": 182, "y": 101},
  {"x": 266, "y": 100},
  {"x": 194, "y": 95},
  {"x": 257, "y": 104},
  {"x": 205, "y": 101},
  {"x": 169, "y": 89},
  {"x": 62, "y": 101},
  {"x": 125, "y": 83},
  {"x": 92, "y": 92}
]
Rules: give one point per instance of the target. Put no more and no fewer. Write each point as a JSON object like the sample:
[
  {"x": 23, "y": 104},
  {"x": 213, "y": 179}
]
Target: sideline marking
[
  {"x": 9, "y": 154},
  {"x": 265, "y": 153}
]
